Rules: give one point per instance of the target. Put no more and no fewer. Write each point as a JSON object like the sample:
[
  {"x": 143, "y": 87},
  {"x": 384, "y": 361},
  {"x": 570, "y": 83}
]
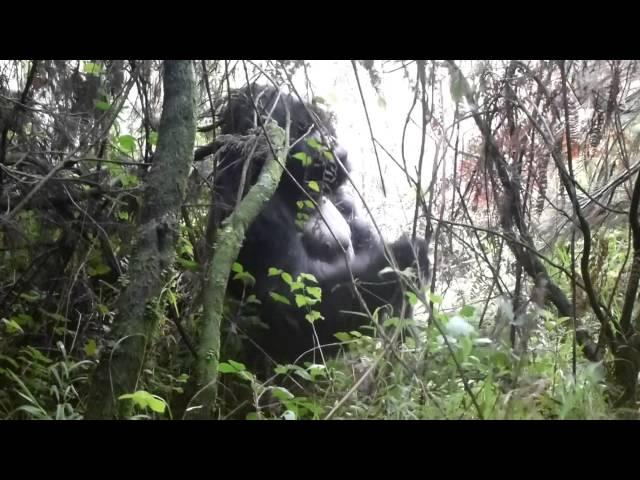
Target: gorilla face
[{"x": 327, "y": 236}]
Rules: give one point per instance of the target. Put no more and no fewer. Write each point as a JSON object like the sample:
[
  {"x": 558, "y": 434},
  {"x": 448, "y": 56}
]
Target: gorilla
[{"x": 333, "y": 242}]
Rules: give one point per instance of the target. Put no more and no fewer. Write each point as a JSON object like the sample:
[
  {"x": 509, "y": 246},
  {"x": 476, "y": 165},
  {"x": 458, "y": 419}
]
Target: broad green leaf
[
  {"x": 305, "y": 159},
  {"x": 22, "y": 319},
  {"x": 144, "y": 399},
  {"x": 317, "y": 370},
  {"x": 313, "y": 185},
  {"x": 282, "y": 369},
  {"x": 245, "y": 277},
  {"x": 296, "y": 286},
  {"x": 301, "y": 300},
  {"x": 467, "y": 311},
  {"x": 123, "y": 215},
  {"x": 236, "y": 267},
  {"x": 313, "y": 143},
  {"x": 343, "y": 336},
  {"x": 393, "y": 321},
  {"x": 127, "y": 143},
  {"x": 98, "y": 270},
  {"x": 156, "y": 405},
  {"x": 302, "y": 373},
  {"x": 413, "y": 299},
  {"x": 100, "y": 105},
  {"x": 274, "y": 271},
  {"x": 437, "y": 299},
  {"x": 188, "y": 264},
  {"x": 313, "y": 315},
  {"x": 309, "y": 276},
  {"x": 281, "y": 393},
  {"x": 237, "y": 365},
  {"x": 315, "y": 292},
  {"x": 224, "y": 367},
  {"x": 92, "y": 68},
  {"x": 300, "y": 204},
  {"x": 30, "y": 297},
  {"x": 329, "y": 156},
  {"x": 313, "y": 407},
  {"x": 91, "y": 349},
  {"x": 253, "y": 299},
  {"x": 279, "y": 298},
  {"x": 287, "y": 278},
  {"x": 12, "y": 326}
]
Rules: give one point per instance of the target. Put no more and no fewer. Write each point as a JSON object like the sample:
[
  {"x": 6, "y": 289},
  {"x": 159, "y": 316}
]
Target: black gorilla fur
[{"x": 275, "y": 240}]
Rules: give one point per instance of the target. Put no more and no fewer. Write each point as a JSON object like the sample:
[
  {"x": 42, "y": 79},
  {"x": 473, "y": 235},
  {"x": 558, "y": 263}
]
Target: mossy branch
[{"x": 230, "y": 238}]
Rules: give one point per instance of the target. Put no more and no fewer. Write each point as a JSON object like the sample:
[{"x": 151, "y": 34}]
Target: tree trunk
[{"x": 158, "y": 231}]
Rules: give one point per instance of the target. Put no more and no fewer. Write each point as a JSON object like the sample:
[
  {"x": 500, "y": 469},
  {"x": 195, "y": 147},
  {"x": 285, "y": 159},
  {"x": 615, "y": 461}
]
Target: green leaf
[
  {"x": 300, "y": 204},
  {"x": 253, "y": 299},
  {"x": 343, "y": 336},
  {"x": 30, "y": 297},
  {"x": 313, "y": 315},
  {"x": 22, "y": 319},
  {"x": 317, "y": 370},
  {"x": 251, "y": 416},
  {"x": 274, "y": 271},
  {"x": 123, "y": 215},
  {"x": 467, "y": 311},
  {"x": 413, "y": 299},
  {"x": 282, "y": 369},
  {"x": 313, "y": 143},
  {"x": 245, "y": 277},
  {"x": 144, "y": 399},
  {"x": 188, "y": 264},
  {"x": 224, "y": 367},
  {"x": 279, "y": 298},
  {"x": 296, "y": 286},
  {"x": 127, "y": 143},
  {"x": 91, "y": 349},
  {"x": 302, "y": 373},
  {"x": 237, "y": 365},
  {"x": 100, "y": 105},
  {"x": 287, "y": 278},
  {"x": 92, "y": 68},
  {"x": 301, "y": 300},
  {"x": 12, "y": 326},
  {"x": 98, "y": 270},
  {"x": 309, "y": 276},
  {"x": 313, "y": 185},
  {"x": 437, "y": 299},
  {"x": 282, "y": 393},
  {"x": 329, "y": 156},
  {"x": 391, "y": 322},
  {"x": 236, "y": 267},
  {"x": 308, "y": 204},
  {"x": 305, "y": 159},
  {"x": 153, "y": 138},
  {"x": 315, "y": 292}
]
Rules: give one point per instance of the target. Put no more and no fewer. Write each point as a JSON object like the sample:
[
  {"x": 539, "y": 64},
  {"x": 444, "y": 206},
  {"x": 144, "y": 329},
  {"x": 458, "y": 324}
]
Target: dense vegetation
[{"x": 522, "y": 177}]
